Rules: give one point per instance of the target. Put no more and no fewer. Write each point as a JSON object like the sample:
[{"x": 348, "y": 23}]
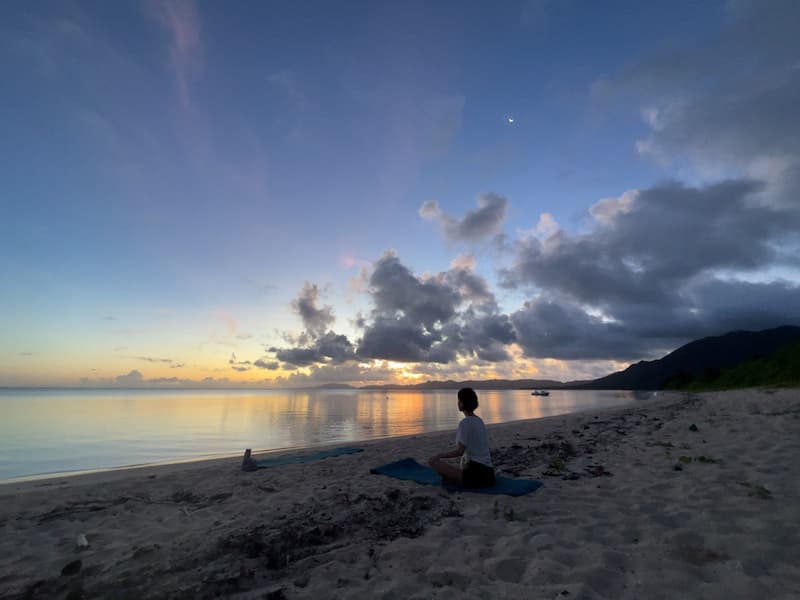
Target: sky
[{"x": 291, "y": 194}]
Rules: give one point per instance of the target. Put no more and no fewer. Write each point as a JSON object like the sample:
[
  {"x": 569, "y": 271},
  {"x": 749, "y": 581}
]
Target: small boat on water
[{"x": 540, "y": 393}]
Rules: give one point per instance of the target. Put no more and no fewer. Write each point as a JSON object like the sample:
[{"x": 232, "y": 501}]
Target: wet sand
[{"x": 689, "y": 496}]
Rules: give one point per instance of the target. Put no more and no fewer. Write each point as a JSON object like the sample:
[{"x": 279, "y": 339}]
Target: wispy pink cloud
[
  {"x": 348, "y": 261},
  {"x": 244, "y": 173},
  {"x": 181, "y": 21}
]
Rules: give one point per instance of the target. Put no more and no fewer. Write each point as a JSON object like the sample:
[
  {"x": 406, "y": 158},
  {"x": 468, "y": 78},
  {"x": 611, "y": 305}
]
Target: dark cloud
[
  {"x": 408, "y": 315},
  {"x": 488, "y": 337},
  {"x": 433, "y": 319},
  {"x": 154, "y": 360},
  {"x": 549, "y": 329},
  {"x": 239, "y": 365},
  {"x": 429, "y": 319},
  {"x": 401, "y": 340},
  {"x": 724, "y": 305},
  {"x": 132, "y": 378},
  {"x": 172, "y": 363},
  {"x": 327, "y": 348},
  {"x": 316, "y": 344},
  {"x": 645, "y": 244},
  {"x": 476, "y": 225},
  {"x": 315, "y": 319},
  {"x": 336, "y": 348},
  {"x": 397, "y": 293},
  {"x": 268, "y": 365},
  {"x": 299, "y": 357},
  {"x": 471, "y": 286},
  {"x": 643, "y": 278}
]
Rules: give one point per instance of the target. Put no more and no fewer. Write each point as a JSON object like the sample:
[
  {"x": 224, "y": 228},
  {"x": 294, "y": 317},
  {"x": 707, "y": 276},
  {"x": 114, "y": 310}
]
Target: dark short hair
[{"x": 468, "y": 398}]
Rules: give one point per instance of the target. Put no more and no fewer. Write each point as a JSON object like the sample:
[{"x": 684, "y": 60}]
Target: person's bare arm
[{"x": 452, "y": 454}]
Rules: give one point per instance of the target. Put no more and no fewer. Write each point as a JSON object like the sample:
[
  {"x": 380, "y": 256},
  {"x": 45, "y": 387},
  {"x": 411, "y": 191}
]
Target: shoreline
[
  {"x": 266, "y": 451},
  {"x": 635, "y": 504},
  {"x": 96, "y": 476}
]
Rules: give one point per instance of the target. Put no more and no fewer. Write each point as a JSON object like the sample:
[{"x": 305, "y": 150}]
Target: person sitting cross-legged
[{"x": 472, "y": 445}]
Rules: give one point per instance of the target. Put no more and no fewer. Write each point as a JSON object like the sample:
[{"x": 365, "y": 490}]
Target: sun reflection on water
[{"x": 61, "y": 430}]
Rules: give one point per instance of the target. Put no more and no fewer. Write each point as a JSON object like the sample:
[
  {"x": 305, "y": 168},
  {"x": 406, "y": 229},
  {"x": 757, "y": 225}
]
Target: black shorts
[{"x": 477, "y": 475}]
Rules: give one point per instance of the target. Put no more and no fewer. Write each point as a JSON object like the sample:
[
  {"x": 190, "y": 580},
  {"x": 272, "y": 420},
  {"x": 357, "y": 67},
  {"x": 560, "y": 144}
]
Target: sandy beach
[{"x": 688, "y": 496}]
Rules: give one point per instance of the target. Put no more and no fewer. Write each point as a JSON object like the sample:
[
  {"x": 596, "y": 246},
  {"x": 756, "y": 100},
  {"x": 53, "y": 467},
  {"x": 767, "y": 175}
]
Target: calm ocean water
[{"x": 57, "y": 431}]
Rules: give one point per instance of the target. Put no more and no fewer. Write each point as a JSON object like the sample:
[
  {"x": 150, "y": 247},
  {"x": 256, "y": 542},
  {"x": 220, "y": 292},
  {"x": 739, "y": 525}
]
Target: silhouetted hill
[
  {"x": 334, "y": 386},
  {"x": 487, "y": 384},
  {"x": 780, "y": 369},
  {"x": 703, "y": 358}
]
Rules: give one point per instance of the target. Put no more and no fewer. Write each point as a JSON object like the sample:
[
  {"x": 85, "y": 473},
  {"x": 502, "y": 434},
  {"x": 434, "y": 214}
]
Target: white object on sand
[{"x": 82, "y": 541}]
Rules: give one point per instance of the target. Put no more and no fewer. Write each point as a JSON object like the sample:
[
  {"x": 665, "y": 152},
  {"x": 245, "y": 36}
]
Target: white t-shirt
[{"x": 472, "y": 433}]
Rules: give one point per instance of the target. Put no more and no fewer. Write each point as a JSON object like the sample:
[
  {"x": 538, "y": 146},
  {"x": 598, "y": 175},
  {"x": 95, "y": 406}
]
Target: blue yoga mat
[
  {"x": 410, "y": 470},
  {"x": 304, "y": 458}
]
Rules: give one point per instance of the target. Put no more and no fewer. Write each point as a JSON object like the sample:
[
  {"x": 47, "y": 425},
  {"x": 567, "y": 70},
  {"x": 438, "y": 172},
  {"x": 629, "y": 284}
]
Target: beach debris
[
  {"x": 392, "y": 494},
  {"x": 705, "y": 459},
  {"x": 248, "y": 462},
  {"x": 82, "y": 541},
  {"x": 597, "y": 471},
  {"x": 699, "y": 555},
  {"x": 699, "y": 459},
  {"x": 72, "y": 568},
  {"x": 185, "y": 496},
  {"x": 552, "y": 455},
  {"x": 139, "y": 552},
  {"x": 759, "y": 491},
  {"x": 693, "y": 427}
]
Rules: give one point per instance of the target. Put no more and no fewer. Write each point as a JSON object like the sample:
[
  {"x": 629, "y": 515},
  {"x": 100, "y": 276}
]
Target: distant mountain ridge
[
  {"x": 478, "y": 384},
  {"x": 703, "y": 357}
]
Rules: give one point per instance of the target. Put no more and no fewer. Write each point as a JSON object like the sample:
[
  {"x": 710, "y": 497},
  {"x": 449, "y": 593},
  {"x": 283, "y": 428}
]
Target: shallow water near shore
[{"x": 58, "y": 431}]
